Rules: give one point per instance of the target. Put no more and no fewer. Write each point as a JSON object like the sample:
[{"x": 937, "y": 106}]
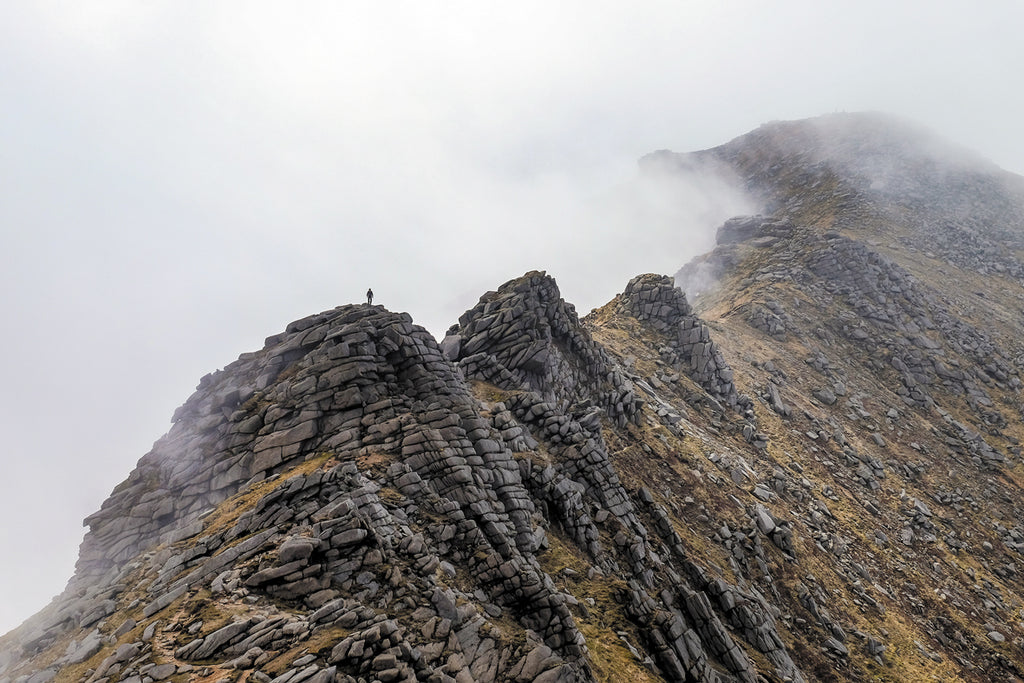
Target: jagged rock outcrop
[
  {"x": 656, "y": 301},
  {"x": 688, "y": 632},
  {"x": 365, "y": 388},
  {"x": 526, "y": 337},
  {"x": 347, "y": 487}
]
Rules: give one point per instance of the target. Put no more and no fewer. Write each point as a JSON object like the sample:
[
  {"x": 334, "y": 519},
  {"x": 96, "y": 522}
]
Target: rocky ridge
[
  {"x": 345, "y": 486},
  {"x": 807, "y": 467}
]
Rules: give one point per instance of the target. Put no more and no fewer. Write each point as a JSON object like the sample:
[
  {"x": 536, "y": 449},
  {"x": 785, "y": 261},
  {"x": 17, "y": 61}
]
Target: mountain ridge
[{"x": 802, "y": 465}]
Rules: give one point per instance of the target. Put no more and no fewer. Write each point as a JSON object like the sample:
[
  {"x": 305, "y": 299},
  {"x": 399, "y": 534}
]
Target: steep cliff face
[{"x": 805, "y": 467}]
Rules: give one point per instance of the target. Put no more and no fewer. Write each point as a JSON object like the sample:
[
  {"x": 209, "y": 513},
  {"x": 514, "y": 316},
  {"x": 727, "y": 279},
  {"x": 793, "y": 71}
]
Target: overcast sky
[{"x": 179, "y": 180}]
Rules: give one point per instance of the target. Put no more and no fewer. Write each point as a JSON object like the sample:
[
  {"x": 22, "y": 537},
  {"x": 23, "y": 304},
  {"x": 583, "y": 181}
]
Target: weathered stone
[
  {"x": 295, "y": 549},
  {"x": 89, "y": 646},
  {"x": 825, "y": 396},
  {"x": 164, "y": 600},
  {"x": 161, "y": 671},
  {"x": 219, "y": 638}
]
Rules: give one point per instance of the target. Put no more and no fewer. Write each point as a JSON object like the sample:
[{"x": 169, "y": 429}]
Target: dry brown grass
[
  {"x": 610, "y": 660},
  {"x": 227, "y": 513}
]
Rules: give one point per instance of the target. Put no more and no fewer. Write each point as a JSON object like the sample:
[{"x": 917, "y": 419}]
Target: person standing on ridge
[{"x": 369, "y": 297}]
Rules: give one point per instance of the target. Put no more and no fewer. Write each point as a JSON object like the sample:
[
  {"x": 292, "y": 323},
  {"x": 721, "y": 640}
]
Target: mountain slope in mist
[{"x": 805, "y": 467}]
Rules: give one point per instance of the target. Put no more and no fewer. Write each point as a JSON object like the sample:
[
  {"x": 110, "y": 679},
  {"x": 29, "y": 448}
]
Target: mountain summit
[{"x": 798, "y": 460}]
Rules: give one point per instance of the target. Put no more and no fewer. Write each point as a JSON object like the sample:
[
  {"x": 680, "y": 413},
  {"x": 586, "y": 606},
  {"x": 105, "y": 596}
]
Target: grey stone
[
  {"x": 89, "y": 646},
  {"x": 538, "y": 659},
  {"x": 164, "y": 600},
  {"x": 124, "y": 628},
  {"x": 327, "y": 675},
  {"x": 295, "y": 549},
  {"x": 764, "y": 520},
  {"x": 833, "y": 645},
  {"x": 273, "y": 573},
  {"x": 825, "y": 396},
  {"x": 219, "y": 638},
  {"x": 349, "y": 537},
  {"x": 161, "y": 671},
  {"x": 125, "y": 652},
  {"x": 44, "y": 676}
]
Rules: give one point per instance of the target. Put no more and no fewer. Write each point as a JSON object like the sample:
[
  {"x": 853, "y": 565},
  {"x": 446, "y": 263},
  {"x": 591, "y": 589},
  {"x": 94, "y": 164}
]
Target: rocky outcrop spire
[
  {"x": 526, "y": 337},
  {"x": 656, "y": 301}
]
